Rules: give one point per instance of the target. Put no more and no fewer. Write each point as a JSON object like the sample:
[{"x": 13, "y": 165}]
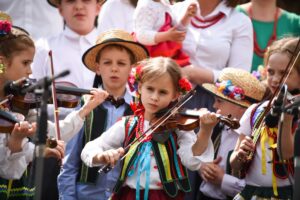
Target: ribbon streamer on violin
[{"x": 56, "y": 112}]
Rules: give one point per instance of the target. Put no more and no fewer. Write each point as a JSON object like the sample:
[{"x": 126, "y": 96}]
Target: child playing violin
[
  {"x": 153, "y": 169},
  {"x": 16, "y": 54},
  {"x": 265, "y": 177},
  {"x": 111, "y": 59},
  {"x": 156, "y": 28},
  {"x": 234, "y": 92}
]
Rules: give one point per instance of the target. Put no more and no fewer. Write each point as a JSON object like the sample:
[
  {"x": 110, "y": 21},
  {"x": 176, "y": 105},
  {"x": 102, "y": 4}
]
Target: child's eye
[
  {"x": 270, "y": 72},
  {"x": 122, "y": 63},
  {"x": 163, "y": 92},
  {"x": 150, "y": 88},
  {"x": 26, "y": 62}
]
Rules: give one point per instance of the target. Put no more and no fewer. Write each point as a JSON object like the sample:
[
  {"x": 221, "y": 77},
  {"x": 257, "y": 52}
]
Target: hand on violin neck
[
  {"x": 97, "y": 97},
  {"x": 208, "y": 120},
  {"x": 20, "y": 133}
]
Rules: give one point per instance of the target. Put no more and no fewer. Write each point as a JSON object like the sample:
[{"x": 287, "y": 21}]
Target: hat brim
[
  {"x": 89, "y": 57},
  {"x": 213, "y": 90}
]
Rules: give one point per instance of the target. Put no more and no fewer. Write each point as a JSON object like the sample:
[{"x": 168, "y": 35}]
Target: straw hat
[
  {"x": 237, "y": 86},
  {"x": 118, "y": 37},
  {"x": 55, "y": 3},
  {"x": 5, "y": 16}
]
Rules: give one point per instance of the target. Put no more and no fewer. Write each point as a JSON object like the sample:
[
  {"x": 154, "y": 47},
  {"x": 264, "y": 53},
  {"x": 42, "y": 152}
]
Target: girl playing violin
[
  {"x": 16, "y": 54},
  {"x": 152, "y": 169},
  {"x": 266, "y": 177}
]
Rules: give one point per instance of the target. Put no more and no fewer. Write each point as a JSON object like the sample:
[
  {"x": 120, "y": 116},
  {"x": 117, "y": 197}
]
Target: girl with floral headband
[
  {"x": 266, "y": 177},
  {"x": 153, "y": 169}
]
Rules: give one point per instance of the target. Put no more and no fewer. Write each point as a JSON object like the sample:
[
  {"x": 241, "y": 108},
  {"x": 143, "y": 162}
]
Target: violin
[
  {"x": 187, "y": 120},
  {"x": 8, "y": 121},
  {"x": 31, "y": 100}
]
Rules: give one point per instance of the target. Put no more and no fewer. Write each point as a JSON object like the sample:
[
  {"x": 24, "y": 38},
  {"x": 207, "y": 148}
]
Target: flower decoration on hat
[
  {"x": 184, "y": 85},
  {"x": 261, "y": 73},
  {"x": 231, "y": 91}
]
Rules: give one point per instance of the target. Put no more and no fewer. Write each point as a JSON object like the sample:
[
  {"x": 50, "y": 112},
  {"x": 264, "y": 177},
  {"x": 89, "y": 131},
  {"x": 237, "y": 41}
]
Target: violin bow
[
  {"x": 56, "y": 112},
  {"x": 156, "y": 125}
]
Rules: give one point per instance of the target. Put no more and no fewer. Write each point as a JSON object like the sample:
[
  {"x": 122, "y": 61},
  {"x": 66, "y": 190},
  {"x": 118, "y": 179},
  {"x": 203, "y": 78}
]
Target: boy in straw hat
[
  {"x": 234, "y": 92},
  {"x": 111, "y": 59}
]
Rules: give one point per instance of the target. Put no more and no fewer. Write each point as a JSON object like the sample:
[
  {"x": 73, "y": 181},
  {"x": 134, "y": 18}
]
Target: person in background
[
  {"x": 36, "y": 16},
  {"x": 270, "y": 23}
]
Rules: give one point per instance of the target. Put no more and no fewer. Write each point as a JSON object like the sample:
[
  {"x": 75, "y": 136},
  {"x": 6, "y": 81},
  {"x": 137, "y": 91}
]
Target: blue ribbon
[{"x": 142, "y": 164}]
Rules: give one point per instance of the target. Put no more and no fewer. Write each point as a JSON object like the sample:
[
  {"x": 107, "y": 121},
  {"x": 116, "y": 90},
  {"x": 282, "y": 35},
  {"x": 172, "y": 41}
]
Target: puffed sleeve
[{"x": 13, "y": 165}]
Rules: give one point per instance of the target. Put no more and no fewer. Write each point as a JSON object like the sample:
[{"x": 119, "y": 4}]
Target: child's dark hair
[
  {"x": 154, "y": 68},
  {"x": 98, "y": 79},
  {"x": 14, "y": 42},
  {"x": 285, "y": 45},
  {"x": 119, "y": 47}
]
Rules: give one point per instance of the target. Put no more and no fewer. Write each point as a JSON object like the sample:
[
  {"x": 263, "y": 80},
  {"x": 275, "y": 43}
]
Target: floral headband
[
  {"x": 5, "y": 27},
  {"x": 231, "y": 91}
]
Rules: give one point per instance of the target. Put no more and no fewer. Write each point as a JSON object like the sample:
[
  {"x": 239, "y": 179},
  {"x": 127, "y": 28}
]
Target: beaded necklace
[
  {"x": 259, "y": 51},
  {"x": 210, "y": 21}
]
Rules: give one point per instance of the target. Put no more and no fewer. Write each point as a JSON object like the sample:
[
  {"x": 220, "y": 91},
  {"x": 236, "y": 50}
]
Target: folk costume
[{"x": 265, "y": 178}]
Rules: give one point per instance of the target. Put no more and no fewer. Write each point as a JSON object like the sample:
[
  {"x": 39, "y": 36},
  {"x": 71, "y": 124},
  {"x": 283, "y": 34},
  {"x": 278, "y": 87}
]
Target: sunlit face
[
  {"x": 157, "y": 94},
  {"x": 227, "y": 108},
  {"x": 79, "y": 14},
  {"x": 275, "y": 70},
  {"x": 114, "y": 67},
  {"x": 19, "y": 66}
]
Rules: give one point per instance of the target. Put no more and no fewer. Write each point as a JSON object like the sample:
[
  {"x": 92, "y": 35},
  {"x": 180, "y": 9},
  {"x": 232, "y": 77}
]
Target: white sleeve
[
  {"x": 13, "y": 165},
  {"x": 111, "y": 139},
  {"x": 109, "y": 19},
  {"x": 68, "y": 127},
  {"x": 40, "y": 67},
  {"x": 185, "y": 142},
  {"x": 245, "y": 122},
  {"x": 145, "y": 18},
  {"x": 242, "y": 45},
  {"x": 231, "y": 185}
]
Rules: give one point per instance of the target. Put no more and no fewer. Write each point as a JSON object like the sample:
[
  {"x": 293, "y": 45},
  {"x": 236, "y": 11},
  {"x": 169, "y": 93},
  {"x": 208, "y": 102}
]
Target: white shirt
[
  {"x": 230, "y": 185},
  {"x": 254, "y": 175},
  {"x": 113, "y": 138},
  {"x": 149, "y": 16},
  {"x": 37, "y": 17},
  {"x": 13, "y": 165},
  {"x": 67, "y": 50},
  {"x": 228, "y": 43},
  {"x": 116, "y": 14}
]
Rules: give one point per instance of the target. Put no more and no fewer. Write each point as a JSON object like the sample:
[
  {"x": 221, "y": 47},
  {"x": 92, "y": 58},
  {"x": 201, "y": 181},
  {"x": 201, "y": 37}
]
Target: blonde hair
[
  {"x": 285, "y": 45},
  {"x": 154, "y": 68}
]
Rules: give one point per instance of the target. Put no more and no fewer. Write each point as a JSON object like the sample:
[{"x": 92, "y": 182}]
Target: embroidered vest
[
  {"x": 278, "y": 168},
  {"x": 172, "y": 173},
  {"x": 94, "y": 126}
]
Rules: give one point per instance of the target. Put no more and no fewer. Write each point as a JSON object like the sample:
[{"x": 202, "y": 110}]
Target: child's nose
[{"x": 154, "y": 96}]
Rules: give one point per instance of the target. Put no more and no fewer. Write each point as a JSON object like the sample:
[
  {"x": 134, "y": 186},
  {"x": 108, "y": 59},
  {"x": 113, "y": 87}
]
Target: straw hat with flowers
[
  {"x": 55, "y": 3},
  {"x": 118, "y": 37},
  {"x": 237, "y": 86}
]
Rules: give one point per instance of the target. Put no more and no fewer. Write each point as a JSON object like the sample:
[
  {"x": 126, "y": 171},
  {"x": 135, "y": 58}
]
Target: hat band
[{"x": 234, "y": 92}]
